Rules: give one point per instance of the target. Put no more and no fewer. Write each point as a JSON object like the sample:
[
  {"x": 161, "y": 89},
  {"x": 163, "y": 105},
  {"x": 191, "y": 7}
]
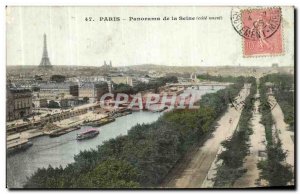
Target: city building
[
  {"x": 53, "y": 91},
  {"x": 70, "y": 101},
  {"x": 87, "y": 90},
  {"x": 155, "y": 74},
  {"x": 36, "y": 103},
  {"x": 93, "y": 90},
  {"x": 43, "y": 103},
  {"x": 193, "y": 77},
  {"x": 124, "y": 80},
  {"x": 87, "y": 79},
  {"x": 18, "y": 103},
  {"x": 105, "y": 65},
  {"x": 142, "y": 79}
]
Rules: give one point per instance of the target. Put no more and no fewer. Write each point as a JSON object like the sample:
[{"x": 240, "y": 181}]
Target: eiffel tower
[{"x": 45, "y": 62}]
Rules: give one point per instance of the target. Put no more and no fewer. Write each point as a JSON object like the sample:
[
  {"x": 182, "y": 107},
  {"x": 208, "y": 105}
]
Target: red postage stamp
[{"x": 261, "y": 31}]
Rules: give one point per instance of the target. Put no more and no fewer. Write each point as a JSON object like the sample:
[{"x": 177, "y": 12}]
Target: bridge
[
  {"x": 196, "y": 84},
  {"x": 199, "y": 84}
]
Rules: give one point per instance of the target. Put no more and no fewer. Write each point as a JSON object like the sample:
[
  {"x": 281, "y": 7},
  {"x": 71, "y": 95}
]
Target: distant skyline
[{"x": 73, "y": 41}]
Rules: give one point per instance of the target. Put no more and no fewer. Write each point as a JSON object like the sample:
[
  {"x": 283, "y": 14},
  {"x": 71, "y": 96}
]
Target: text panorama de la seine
[{"x": 165, "y": 18}]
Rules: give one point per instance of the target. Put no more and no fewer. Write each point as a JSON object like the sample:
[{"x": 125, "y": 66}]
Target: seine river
[{"x": 61, "y": 150}]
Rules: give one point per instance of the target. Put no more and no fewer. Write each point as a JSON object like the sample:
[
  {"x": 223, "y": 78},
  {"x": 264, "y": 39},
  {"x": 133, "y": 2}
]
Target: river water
[{"x": 61, "y": 150}]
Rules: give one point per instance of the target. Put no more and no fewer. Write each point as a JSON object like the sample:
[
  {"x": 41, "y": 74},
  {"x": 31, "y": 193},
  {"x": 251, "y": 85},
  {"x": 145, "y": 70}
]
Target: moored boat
[
  {"x": 18, "y": 145},
  {"x": 90, "y": 133},
  {"x": 102, "y": 122},
  {"x": 160, "y": 109},
  {"x": 59, "y": 133},
  {"x": 63, "y": 131}
]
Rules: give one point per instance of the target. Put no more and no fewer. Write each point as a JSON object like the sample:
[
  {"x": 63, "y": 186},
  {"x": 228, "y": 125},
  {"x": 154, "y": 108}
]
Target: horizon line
[{"x": 99, "y": 66}]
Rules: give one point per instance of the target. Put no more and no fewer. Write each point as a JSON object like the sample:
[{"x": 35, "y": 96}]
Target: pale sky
[{"x": 73, "y": 41}]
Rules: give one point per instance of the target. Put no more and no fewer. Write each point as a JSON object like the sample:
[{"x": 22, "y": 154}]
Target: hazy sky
[{"x": 74, "y": 41}]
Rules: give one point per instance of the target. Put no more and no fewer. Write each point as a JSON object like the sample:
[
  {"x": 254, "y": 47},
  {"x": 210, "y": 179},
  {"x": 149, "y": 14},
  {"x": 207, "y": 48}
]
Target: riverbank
[
  {"x": 65, "y": 126},
  {"x": 60, "y": 151}
]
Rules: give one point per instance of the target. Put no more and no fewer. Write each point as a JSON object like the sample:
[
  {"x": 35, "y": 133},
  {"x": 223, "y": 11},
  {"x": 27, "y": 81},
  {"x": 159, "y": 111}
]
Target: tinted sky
[{"x": 74, "y": 41}]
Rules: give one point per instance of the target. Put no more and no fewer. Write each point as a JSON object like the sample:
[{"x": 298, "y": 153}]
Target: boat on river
[
  {"x": 102, "y": 122},
  {"x": 160, "y": 109},
  {"x": 90, "y": 133},
  {"x": 63, "y": 131},
  {"x": 18, "y": 145},
  {"x": 58, "y": 133}
]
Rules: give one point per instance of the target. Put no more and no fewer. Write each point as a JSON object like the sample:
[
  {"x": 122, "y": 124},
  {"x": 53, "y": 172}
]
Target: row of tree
[
  {"x": 283, "y": 90},
  {"x": 273, "y": 169},
  {"x": 142, "y": 86},
  {"x": 237, "y": 146},
  {"x": 219, "y": 78},
  {"x": 143, "y": 157}
]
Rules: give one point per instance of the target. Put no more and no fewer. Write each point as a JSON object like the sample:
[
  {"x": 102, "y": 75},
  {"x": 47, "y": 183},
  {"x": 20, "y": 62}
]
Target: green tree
[
  {"x": 58, "y": 78},
  {"x": 46, "y": 178},
  {"x": 122, "y": 88},
  {"x": 53, "y": 104},
  {"x": 273, "y": 168},
  {"x": 85, "y": 99},
  {"x": 111, "y": 173}
]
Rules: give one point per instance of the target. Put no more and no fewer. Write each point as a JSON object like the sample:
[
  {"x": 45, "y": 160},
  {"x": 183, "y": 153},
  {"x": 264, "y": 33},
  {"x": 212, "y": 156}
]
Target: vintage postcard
[{"x": 150, "y": 97}]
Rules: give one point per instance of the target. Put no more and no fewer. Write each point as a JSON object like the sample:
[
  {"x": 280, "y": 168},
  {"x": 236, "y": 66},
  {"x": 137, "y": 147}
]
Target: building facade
[
  {"x": 18, "y": 103},
  {"x": 87, "y": 90},
  {"x": 92, "y": 91},
  {"x": 53, "y": 91}
]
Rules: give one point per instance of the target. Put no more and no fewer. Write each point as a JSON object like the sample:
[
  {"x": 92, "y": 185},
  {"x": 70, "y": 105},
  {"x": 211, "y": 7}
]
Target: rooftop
[{"x": 63, "y": 85}]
